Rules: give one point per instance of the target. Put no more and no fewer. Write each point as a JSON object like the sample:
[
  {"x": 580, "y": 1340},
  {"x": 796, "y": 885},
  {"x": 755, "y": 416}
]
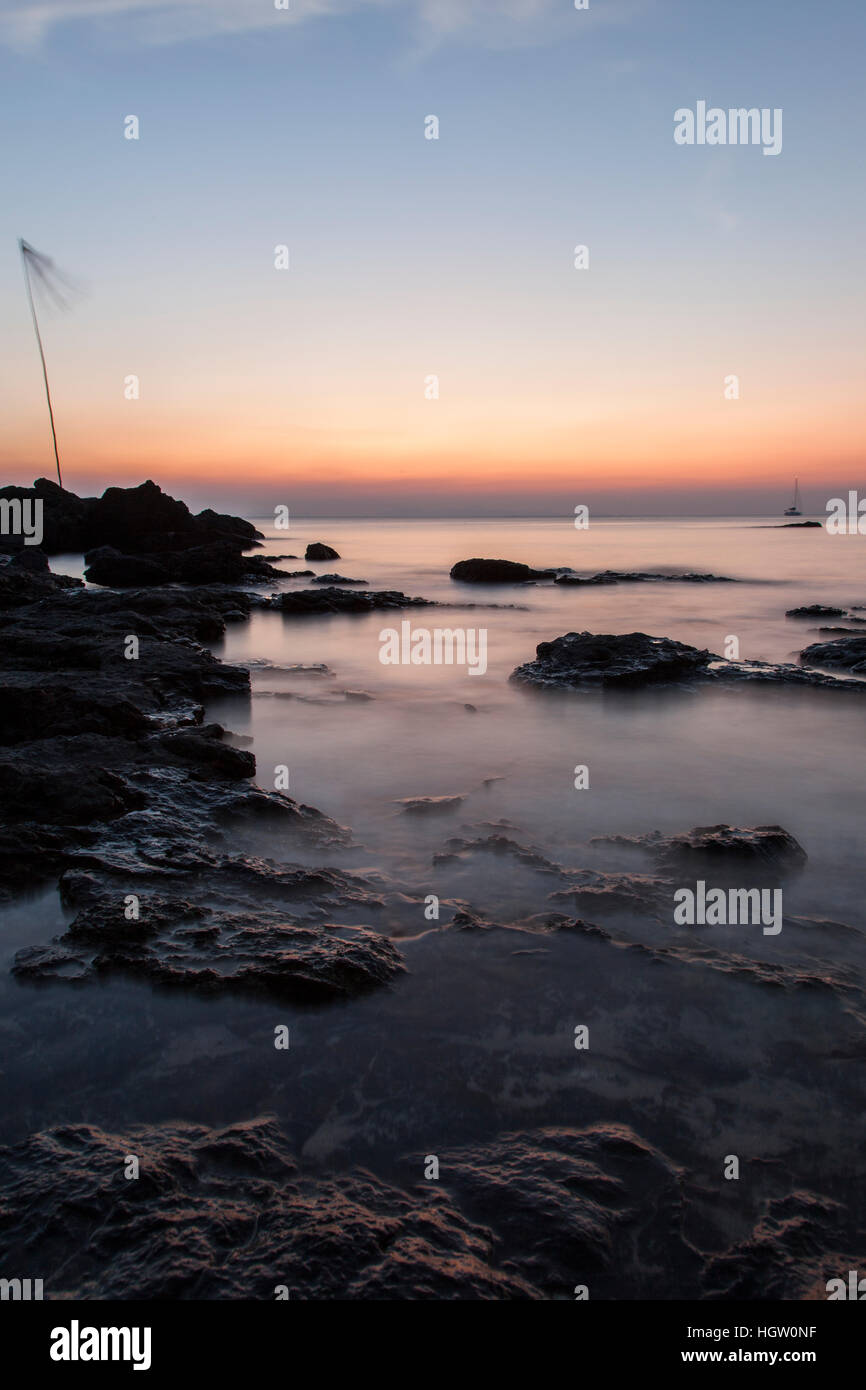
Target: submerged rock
[
  {"x": 816, "y": 610},
  {"x": 317, "y": 550},
  {"x": 335, "y": 579},
  {"x": 213, "y": 922},
  {"x": 314, "y": 602},
  {"x": 602, "y": 894},
  {"x": 641, "y": 577},
  {"x": 430, "y": 805},
  {"x": 512, "y": 572}
]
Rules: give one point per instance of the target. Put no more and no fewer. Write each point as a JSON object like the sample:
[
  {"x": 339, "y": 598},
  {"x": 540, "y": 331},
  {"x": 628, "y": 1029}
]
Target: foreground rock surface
[{"x": 230, "y": 1213}]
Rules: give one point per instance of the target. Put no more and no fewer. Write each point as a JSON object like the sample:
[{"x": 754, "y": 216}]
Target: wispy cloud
[{"x": 26, "y": 24}]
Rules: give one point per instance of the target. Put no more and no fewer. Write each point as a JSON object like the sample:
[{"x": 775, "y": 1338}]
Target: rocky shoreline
[{"x": 116, "y": 788}]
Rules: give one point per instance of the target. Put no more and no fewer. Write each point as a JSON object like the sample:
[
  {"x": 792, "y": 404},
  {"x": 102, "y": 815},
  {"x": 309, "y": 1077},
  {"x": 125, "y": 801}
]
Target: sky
[{"x": 452, "y": 258}]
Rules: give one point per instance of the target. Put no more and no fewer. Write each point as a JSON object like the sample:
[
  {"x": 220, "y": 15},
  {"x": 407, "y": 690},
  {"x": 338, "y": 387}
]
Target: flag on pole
[{"x": 57, "y": 290}]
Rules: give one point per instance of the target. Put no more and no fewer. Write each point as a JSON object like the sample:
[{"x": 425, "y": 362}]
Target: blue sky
[{"x": 453, "y": 257}]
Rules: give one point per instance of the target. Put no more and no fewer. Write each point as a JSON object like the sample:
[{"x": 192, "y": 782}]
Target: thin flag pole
[{"x": 24, "y": 248}]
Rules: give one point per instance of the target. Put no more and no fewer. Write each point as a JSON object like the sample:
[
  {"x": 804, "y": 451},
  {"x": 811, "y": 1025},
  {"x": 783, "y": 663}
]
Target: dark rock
[
  {"x": 523, "y": 1216},
  {"x": 218, "y": 524},
  {"x": 105, "y": 565},
  {"x": 36, "y": 790},
  {"x": 429, "y": 805},
  {"x": 612, "y": 893},
  {"x": 848, "y": 654},
  {"x": 717, "y": 848},
  {"x": 86, "y": 632},
  {"x": 204, "y": 746},
  {"x": 219, "y": 563},
  {"x": 26, "y": 578},
  {"x": 131, "y": 518},
  {"x": 497, "y": 572},
  {"x": 91, "y": 739},
  {"x": 135, "y": 521},
  {"x": 642, "y": 577},
  {"x": 317, "y": 550},
  {"x": 816, "y": 610},
  {"x": 334, "y": 579},
  {"x": 39, "y": 706},
  {"x": 585, "y": 658},
  {"x": 62, "y": 517},
  {"x": 313, "y": 602},
  {"x": 249, "y": 944},
  {"x": 458, "y": 848},
  {"x": 797, "y": 1246},
  {"x": 798, "y": 525},
  {"x": 712, "y": 847}
]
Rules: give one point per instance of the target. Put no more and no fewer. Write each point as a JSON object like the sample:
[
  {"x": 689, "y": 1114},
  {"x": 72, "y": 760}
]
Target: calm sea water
[
  {"x": 476, "y": 1039},
  {"x": 656, "y": 760}
]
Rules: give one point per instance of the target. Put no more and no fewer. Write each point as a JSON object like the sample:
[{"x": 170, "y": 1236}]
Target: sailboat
[{"x": 794, "y": 509}]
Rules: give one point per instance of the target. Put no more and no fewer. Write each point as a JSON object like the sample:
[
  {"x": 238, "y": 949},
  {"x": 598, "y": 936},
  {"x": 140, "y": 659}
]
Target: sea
[{"x": 706, "y": 1041}]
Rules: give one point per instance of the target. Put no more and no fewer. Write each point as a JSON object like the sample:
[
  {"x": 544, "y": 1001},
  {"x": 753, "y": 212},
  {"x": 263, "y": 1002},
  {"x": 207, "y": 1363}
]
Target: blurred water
[
  {"x": 656, "y": 760},
  {"x": 477, "y": 1037}
]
